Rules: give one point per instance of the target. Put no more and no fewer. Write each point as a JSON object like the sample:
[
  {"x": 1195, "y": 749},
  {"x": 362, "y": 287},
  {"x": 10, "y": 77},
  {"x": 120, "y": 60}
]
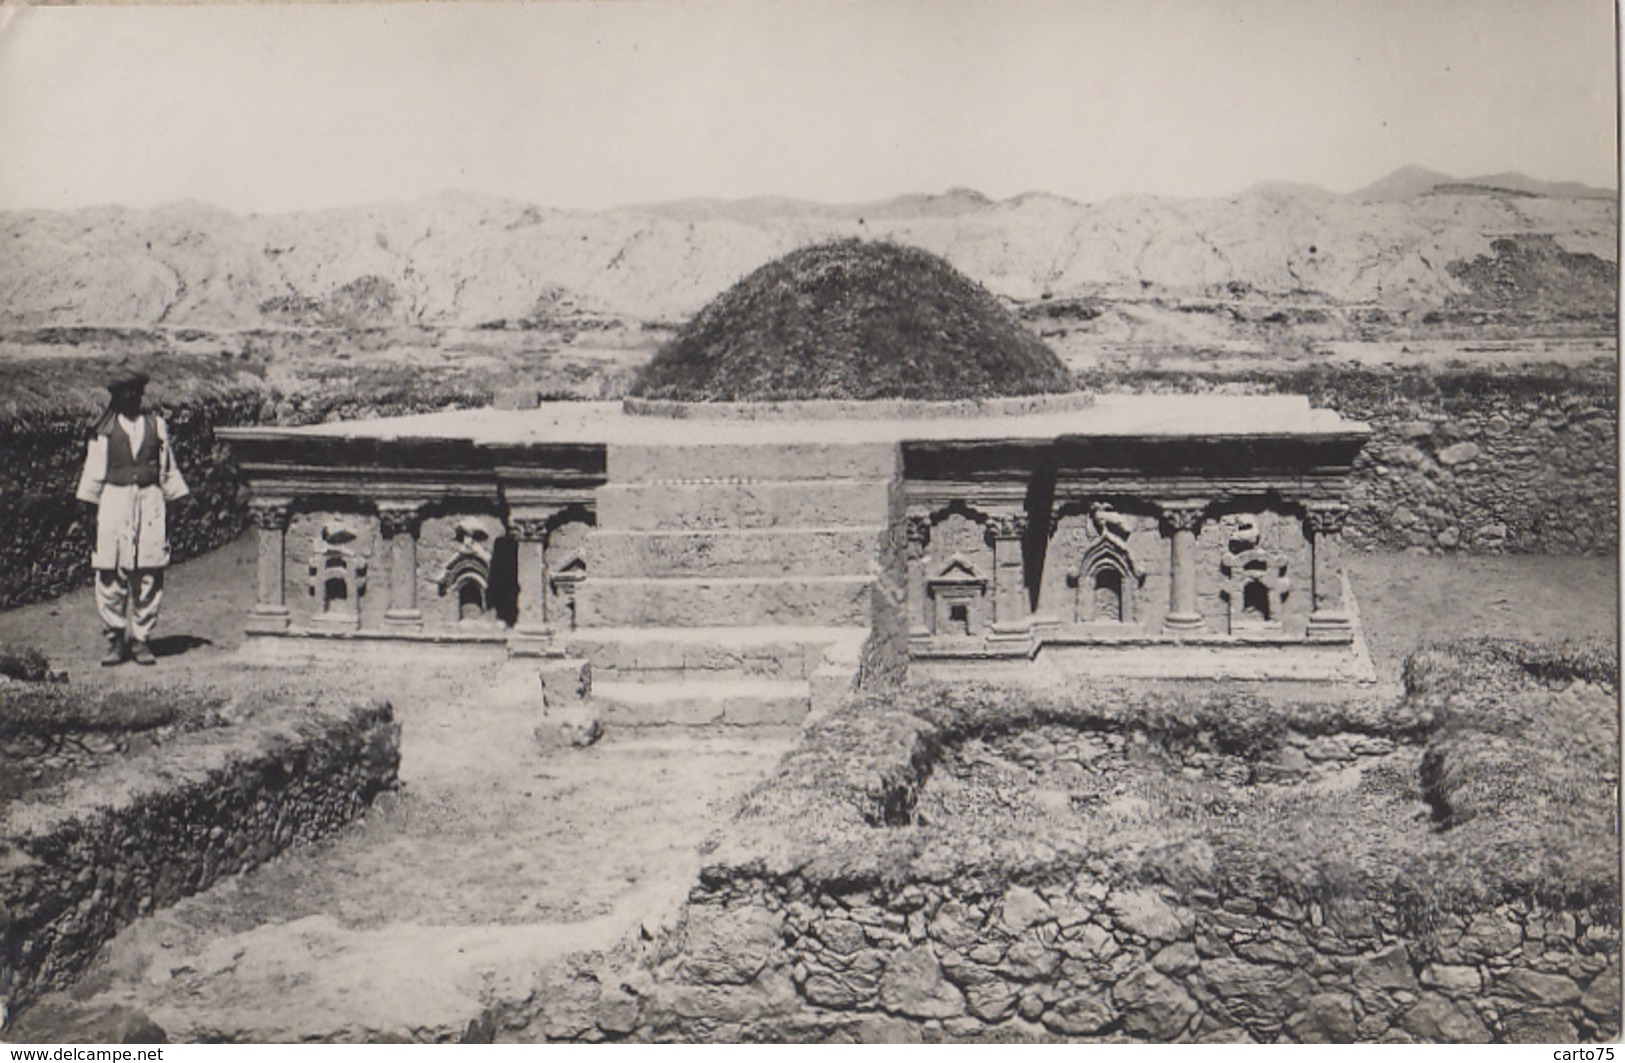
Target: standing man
[{"x": 129, "y": 476}]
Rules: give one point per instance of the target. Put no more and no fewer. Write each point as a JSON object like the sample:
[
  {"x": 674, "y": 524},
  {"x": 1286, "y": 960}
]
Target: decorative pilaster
[
  {"x": 1010, "y": 613},
  {"x": 918, "y": 529},
  {"x": 532, "y": 634},
  {"x": 1330, "y": 620},
  {"x": 1182, "y": 520},
  {"x": 270, "y": 611},
  {"x": 400, "y": 523}
]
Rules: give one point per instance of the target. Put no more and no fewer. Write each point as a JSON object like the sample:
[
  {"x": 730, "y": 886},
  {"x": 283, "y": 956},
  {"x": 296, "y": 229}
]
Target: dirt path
[{"x": 492, "y": 856}]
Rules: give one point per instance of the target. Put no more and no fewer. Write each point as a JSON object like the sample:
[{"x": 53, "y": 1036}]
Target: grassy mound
[{"x": 852, "y": 320}]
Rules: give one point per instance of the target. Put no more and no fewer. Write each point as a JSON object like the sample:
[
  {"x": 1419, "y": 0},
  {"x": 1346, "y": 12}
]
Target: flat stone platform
[{"x": 1107, "y": 415}]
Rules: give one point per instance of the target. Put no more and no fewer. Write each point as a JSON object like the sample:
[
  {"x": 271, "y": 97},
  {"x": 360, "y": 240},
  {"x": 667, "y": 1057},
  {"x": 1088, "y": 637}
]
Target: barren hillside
[{"x": 1413, "y": 244}]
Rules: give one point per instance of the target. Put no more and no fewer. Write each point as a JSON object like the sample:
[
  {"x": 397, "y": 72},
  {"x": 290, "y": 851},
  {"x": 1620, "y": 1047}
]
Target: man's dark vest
[{"x": 140, "y": 468}]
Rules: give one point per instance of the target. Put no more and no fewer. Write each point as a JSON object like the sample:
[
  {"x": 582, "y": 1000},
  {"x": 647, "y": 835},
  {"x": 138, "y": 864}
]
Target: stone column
[
  {"x": 1329, "y": 620},
  {"x": 1182, "y": 519},
  {"x": 532, "y": 634},
  {"x": 919, "y": 537},
  {"x": 1010, "y": 613},
  {"x": 270, "y": 611},
  {"x": 400, "y": 522}
]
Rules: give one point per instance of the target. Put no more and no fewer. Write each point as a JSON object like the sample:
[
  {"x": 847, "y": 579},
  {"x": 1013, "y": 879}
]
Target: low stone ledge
[
  {"x": 154, "y": 828},
  {"x": 871, "y": 410}
]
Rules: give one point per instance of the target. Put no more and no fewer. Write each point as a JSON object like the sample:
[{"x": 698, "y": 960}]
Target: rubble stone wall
[
  {"x": 1484, "y": 460},
  {"x": 76, "y": 869},
  {"x": 790, "y": 959}
]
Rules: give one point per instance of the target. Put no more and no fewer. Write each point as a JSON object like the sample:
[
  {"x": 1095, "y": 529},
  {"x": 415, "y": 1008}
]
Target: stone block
[
  {"x": 1147, "y": 913},
  {"x": 1024, "y": 908},
  {"x": 1439, "y": 1019},
  {"x": 792, "y": 602},
  {"x": 735, "y": 506},
  {"x": 728, "y": 946},
  {"x": 1176, "y": 959},
  {"x": 697, "y": 703},
  {"x": 842, "y": 936},
  {"x": 640, "y": 463},
  {"x": 956, "y": 925},
  {"x": 1326, "y": 1018},
  {"x": 1384, "y": 971},
  {"x": 1452, "y": 979},
  {"x": 1489, "y": 933},
  {"x": 914, "y": 985},
  {"x": 1079, "y": 1014},
  {"x": 1153, "y": 1006},
  {"x": 735, "y": 553},
  {"x": 1539, "y": 1026},
  {"x": 1030, "y": 959},
  {"x": 1457, "y": 453},
  {"x": 1539, "y": 988},
  {"x": 852, "y": 987},
  {"x": 1601, "y": 999}
]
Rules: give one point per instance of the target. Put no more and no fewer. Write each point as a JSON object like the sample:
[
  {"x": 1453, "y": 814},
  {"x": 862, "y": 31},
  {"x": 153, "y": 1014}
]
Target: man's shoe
[
  {"x": 142, "y": 654},
  {"x": 117, "y": 651}
]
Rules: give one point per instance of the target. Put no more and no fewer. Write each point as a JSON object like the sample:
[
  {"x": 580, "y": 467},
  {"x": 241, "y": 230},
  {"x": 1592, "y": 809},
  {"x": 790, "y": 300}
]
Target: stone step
[
  {"x": 636, "y": 463},
  {"x": 818, "y": 601},
  {"x": 725, "y": 506},
  {"x": 657, "y": 654},
  {"x": 735, "y": 553},
  {"x": 691, "y": 702}
]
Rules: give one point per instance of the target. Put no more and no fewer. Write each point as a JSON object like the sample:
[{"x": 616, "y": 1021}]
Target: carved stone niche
[
  {"x": 465, "y": 580},
  {"x": 959, "y": 600},
  {"x": 1254, "y": 583},
  {"x": 336, "y": 575},
  {"x": 1106, "y": 578},
  {"x": 565, "y": 583}
]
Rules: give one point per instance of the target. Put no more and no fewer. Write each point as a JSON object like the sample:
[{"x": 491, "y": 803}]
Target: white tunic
[{"x": 131, "y": 522}]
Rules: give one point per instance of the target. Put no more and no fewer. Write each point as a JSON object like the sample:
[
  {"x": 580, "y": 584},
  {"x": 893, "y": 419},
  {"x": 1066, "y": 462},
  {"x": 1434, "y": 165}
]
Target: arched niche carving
[
  {"x": 466, "y": 578},
  {"x": 1254, "y": 580},
  {"x": 1106, "y": 577},
  {"x": 336, "y": 573}
]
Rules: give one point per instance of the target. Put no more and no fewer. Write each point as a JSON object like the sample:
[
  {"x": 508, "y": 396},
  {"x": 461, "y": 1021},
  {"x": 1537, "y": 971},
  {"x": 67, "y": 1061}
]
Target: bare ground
[{"x": 494, "y": 856}]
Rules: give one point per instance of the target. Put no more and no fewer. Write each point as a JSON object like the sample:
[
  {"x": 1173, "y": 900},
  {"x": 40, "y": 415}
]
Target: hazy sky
[{"x": 598, "y": 104}]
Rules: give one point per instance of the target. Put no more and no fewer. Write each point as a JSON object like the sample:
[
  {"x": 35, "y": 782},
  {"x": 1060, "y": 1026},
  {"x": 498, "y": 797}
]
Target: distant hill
[
  {"x": 1415, "y": 239},
  {"x": 1408, "y": 182}
]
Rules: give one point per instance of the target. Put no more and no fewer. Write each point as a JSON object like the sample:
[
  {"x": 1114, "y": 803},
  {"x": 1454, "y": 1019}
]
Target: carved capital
[
  {"x": 399, "y": 518},
  {"x": 918, "y": 529},
  {"x": 270, "y": 514},
  {"x": 1008, "y": 525},
  {"x": 529, "y": 527},
  {"x": 1327, "y": 519},
  {"x": 1182, "y": 516}
]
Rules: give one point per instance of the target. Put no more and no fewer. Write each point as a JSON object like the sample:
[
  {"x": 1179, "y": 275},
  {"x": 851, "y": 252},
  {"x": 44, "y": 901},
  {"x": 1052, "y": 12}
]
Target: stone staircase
[{"x": 743, "y": 597}]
